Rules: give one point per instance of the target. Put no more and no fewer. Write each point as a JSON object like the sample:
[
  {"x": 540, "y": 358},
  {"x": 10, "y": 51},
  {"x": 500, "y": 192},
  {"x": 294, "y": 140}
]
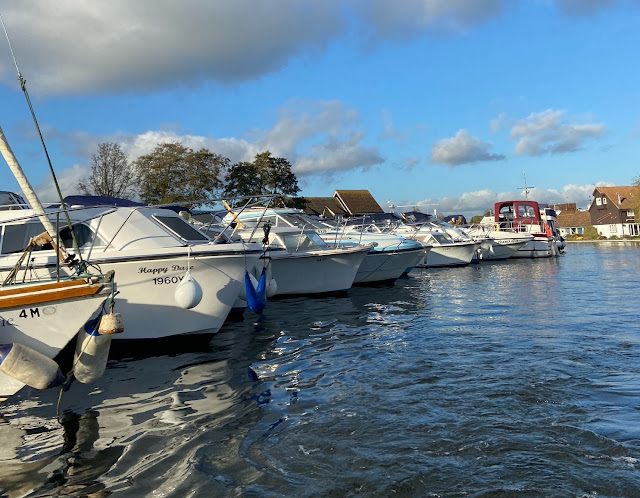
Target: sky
[{"x": 439, "y": 104}]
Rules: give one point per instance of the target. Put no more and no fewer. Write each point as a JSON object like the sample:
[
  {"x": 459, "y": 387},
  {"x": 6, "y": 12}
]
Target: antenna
[{"x": 526, "y": 188}]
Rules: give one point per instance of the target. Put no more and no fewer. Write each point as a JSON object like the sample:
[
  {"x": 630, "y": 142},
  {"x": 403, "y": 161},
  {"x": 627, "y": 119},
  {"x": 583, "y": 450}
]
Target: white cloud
[
  {"x": 462, "y": 149},
  {"x": 316, "y": 137},
  {"x": 120, "y": 45},
  {"x": 338, "y": 156},
  {"x": 75, "y": 46},
  {"x": 548, "y": 132},
  {"x": 411, "y": 162},
  {"x": 68, "y": 179},
  {"x": 498, "y": 123},
  {"x": 475, "y": 203},
  {"x": 402, "y": 20}
]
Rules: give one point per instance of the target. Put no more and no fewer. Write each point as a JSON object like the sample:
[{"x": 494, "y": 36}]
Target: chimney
[{"x": 619, "y": 198}]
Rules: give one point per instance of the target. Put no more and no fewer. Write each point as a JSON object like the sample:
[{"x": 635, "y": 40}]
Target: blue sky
[{"x": 438, "y": 103}]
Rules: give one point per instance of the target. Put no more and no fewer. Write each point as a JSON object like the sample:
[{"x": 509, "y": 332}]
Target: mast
[{"x": 526, "y": 189}]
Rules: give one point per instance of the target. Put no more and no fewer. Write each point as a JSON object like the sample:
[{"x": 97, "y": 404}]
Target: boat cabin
[
  {"x": 10, "y": 201},
  {"x": 525, "y": 216}
]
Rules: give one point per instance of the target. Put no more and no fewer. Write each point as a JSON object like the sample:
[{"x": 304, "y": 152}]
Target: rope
[{"x": 33, "y": 242}]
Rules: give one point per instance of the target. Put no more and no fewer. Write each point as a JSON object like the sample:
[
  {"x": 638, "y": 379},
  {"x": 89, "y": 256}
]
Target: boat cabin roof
[{"x": 517, "y": 210}]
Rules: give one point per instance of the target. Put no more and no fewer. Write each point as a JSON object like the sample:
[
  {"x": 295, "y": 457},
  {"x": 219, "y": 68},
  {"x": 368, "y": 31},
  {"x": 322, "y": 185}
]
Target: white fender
[
  {"x": 272, "y": 287},
  {"x": 188, "y": 293},
  {"x": 90, "y": 358},
  {"x": 29, "y": 366}
]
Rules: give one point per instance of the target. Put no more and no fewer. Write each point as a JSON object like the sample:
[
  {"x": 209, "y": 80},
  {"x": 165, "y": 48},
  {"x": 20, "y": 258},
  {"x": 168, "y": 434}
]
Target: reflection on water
[{"x": 513, "y": 378}]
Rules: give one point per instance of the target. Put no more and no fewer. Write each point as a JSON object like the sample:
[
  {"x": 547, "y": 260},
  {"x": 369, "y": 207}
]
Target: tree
[
  {"x": 266, "y": 175},
  {"x": 175, "y": 173},
  {"x": 111, "y": 173},
  {"x": 478, "y": 218},
  {"x": 635, "y": 199}
]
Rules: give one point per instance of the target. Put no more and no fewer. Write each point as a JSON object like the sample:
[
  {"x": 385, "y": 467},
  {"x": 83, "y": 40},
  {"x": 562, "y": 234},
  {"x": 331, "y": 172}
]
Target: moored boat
[
  {"x": 152, "y": 250},
  {"x": 389, "y": 255},
  {"x": 38, "y": 319},
  {"x": 301, "y": 263},
  {"x": 528, "y": 218}
]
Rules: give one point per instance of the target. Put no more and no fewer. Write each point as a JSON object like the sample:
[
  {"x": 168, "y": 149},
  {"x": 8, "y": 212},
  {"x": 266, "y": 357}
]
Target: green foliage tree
[
  {"x": 636, "y": 199},
  {"x": 175, "y": 173},
  {"x": 590, "y": 233},
  {"x": 266, "y": 175},
  {"x": 111, "y": 173},
  {"x": 478, "y": 218}
]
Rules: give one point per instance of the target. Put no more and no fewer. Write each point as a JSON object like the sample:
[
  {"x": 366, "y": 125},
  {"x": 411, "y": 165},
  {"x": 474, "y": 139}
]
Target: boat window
[
  {"x": 441, "y": 238},
  {"x": 16, "y": 237},
  {"x": 181, "y": 228},
  {"x": 84, "y": 236},
  {"x": 506, "y": 213},
  {"x": 10, "y": 201},
  {"x": 525, "y": 211},
  {"x": 302, "y": 241},
  {"x": 273, "y": 219}
]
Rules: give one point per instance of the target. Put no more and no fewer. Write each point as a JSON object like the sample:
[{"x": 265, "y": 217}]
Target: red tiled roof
[
  {"x": 323, "y": 206},
  {"x": 358, "y": 202},
  {"x": 622, "y": 197},
  {"x": 568, "y": 219}
]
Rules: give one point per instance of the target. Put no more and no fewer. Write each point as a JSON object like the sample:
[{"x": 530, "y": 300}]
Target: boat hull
[
  {"x": 499, "y": 250},
  {"x": 457, "y": 254},
  {"x": 147, "y": 283},
  {"x": 387, "y": 266},
  {"x": 320, "y": 272},
  {"x": 539, "y": 247},
  {"x": 45, "y": 325}
]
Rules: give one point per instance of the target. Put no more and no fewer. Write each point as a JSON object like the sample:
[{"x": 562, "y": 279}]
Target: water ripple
[{"x": 505, "y": 379}]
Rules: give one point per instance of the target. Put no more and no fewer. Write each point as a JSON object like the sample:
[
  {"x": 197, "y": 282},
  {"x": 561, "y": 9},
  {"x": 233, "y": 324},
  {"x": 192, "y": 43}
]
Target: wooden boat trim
[
  {"x": 33, "y": 287},
  {"x": 45, "y": 296}
]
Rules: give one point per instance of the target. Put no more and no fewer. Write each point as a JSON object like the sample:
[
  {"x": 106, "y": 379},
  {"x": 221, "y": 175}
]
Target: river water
[{"x": 511, "y": 379}]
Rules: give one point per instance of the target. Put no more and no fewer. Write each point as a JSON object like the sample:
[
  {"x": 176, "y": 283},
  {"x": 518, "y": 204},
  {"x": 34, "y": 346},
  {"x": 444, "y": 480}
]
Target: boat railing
[
  {"x": 54, "y": 215},
  {"x": 527, "y": 226}
]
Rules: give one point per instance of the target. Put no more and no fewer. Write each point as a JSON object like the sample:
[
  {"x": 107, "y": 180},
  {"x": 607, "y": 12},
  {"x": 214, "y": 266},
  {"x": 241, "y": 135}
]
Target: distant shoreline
[{"x": 606, "y": 241}]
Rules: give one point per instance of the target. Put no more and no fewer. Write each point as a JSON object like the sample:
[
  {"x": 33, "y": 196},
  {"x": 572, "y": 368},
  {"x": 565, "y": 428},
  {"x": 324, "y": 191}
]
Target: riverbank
[{"x": 604, "y": 241}]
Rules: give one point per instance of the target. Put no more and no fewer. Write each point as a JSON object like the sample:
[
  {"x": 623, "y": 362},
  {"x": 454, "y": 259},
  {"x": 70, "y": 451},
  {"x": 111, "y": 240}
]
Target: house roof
[
  {"x": 561, "y": 208},
  {"x": 627, "y": 195},
  {"x": 327, "y": 207},
  {"x": 568, "y": 219},
  {"x": 357, "y": 202}
]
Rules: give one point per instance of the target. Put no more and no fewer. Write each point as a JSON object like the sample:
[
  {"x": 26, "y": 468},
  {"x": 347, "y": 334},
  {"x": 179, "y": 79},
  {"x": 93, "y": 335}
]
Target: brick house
[
  {"x": 571, "y": 221},
  {"x": 612, "y": 211}
]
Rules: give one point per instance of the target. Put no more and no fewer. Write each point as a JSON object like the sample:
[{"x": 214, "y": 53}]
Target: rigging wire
[{"x": 23, "y": 86}]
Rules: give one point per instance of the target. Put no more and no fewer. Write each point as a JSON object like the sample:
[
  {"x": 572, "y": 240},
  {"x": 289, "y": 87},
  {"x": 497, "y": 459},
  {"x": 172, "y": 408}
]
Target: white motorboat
[
  {"x": 298, "y": 259},
  {"x": 449, "y": 246},
  {"x": 152, "y": 250},
  {"x": 445, "y": 251},
  {"x": 389, "y": 257},
  {"x": 301, "y": 263},
  {"x": 526, "y": 217},
  {"x": 497, "y": 245}
]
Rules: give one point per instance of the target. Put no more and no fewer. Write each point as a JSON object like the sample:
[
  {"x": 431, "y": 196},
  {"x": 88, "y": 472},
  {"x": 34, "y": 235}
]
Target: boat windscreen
[{"x": 181, "y": 228}]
